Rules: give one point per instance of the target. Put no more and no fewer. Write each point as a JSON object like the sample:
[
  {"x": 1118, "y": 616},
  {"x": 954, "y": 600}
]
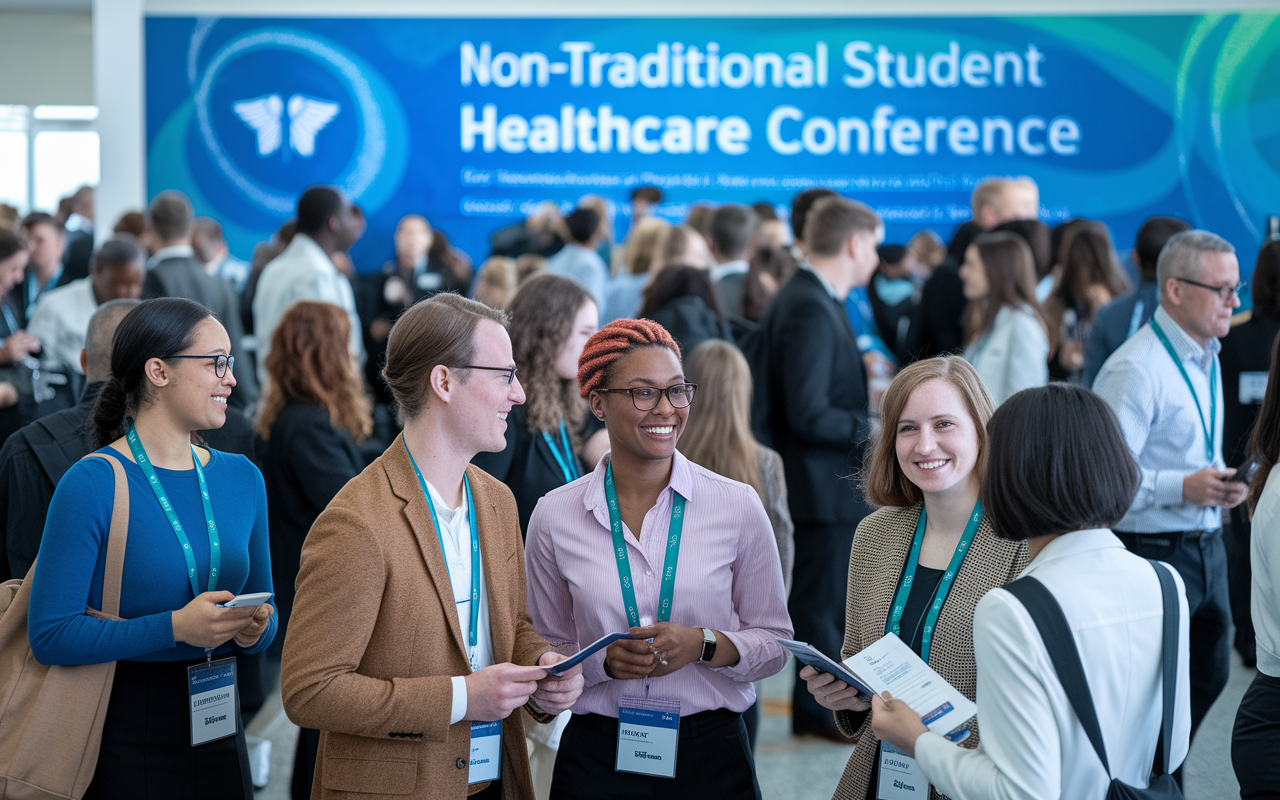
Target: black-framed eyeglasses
[
  {"x": 511, "y": 371},
  {"x": 1224, "y": 293},
  {"x": 221, "y": 363},
  {"x": 647, "y": 398}
]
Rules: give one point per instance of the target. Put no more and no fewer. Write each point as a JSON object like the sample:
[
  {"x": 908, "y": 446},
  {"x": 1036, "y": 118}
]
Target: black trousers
[
  {"x": 146, "y": 742},
  {"x": 713, "y": 761},
  {"x": 1201, "y": 560},
  {"x": 819, "y": 586},
  {"x": 1240, "y": 577},
  {"x": 1255, "y": 741}
]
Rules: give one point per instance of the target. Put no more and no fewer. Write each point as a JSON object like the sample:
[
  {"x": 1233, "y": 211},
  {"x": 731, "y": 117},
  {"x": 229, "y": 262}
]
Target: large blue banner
[{"x": 472, "y": 121}]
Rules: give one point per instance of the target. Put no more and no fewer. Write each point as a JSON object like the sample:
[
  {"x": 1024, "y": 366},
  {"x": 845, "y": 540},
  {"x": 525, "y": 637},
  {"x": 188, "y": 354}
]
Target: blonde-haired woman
[
  {"x": 718, "y": 436},
  {"x": 925, "y": 469},
  {"x": 314, "y": 410},
  {"x": 623, "y": 294}
]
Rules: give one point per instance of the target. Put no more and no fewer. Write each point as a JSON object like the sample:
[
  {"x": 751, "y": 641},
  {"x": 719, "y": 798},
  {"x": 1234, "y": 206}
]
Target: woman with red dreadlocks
[{"x": 681, "y": 559}]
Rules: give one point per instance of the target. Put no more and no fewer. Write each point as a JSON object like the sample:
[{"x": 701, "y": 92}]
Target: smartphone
[
  {"x": 1244, "y": 473},
  {"x": 246, "y": 600}
]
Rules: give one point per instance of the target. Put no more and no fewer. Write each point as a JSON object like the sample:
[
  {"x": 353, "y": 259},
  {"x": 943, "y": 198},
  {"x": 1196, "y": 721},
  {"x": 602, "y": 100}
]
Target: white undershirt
[{"x": 455, "y": 535}]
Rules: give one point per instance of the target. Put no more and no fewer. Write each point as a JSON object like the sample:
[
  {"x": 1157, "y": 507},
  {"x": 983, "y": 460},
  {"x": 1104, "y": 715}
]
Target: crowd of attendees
[{"x": 848, "y": 437}]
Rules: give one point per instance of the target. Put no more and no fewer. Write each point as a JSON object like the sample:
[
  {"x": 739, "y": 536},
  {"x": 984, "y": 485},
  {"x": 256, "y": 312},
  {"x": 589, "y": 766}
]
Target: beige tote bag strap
[{"x": 113, "y": 574}]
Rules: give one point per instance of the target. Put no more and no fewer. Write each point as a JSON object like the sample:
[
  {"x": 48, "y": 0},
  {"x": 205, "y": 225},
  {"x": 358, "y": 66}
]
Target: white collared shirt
[
  {"x": 1033, "y": 746},
  {"x": 1162, "y": 424},
  {"x": 738, "y": 267},
  {"x": 1265, "y": 591},
  {"x": 455, "y": 536},
  {"x": 826, "y": 284},
  {"x": 60, "y": 320},
  {"x": 172, "y": 251},
  {"x": 303, "y": 271}
]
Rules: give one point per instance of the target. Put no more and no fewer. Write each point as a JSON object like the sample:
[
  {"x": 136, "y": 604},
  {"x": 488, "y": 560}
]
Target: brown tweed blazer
[
  {"x": 880, "y": 549},
  {"x": 374, "y": 638}
]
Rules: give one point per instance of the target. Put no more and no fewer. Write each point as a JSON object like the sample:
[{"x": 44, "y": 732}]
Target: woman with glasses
[
  {"x": 922, "y": 562},
  {"x": 197, "y": 537},
  {"x": 549, "y": 438},
  {"x": 682, "y": 559}
]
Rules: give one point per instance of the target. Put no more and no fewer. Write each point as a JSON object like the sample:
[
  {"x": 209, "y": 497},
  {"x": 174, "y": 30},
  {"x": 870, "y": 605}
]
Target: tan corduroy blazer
[
  {"x": 374, "y": 638},
  {"x": 880, "y": 549}
]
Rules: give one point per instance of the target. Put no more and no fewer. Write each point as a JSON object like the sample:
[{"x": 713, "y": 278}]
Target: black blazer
[
  {"x": 818, "y": 401},
  {"x": 526, "y": 465},
  {"x": 1246, "y": 348},
  {"x": 187, "y": 277},
  {"x": 304, "y": 464}
]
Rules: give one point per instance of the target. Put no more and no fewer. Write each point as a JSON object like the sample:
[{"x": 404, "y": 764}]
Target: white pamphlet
[{"x": 890, "y": 665}]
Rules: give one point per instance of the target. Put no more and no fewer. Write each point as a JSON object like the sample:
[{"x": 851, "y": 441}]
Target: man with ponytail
[{"x": 418, "y": 564}]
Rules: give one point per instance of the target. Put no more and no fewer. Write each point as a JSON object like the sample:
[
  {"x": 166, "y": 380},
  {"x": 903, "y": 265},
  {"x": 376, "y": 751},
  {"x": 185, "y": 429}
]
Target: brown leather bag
[{"x": 51, "y": 716}]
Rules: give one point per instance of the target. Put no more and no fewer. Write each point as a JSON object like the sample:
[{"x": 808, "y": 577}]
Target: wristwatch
[{"x": 708, "y": 645}]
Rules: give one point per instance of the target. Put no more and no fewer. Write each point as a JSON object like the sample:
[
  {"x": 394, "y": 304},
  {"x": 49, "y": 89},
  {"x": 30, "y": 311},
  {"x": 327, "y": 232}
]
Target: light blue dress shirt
[{"x": 1161, "y": 423}]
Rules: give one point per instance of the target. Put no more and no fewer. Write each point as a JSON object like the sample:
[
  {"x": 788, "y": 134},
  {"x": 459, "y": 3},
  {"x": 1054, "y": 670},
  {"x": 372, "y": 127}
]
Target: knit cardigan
[{"x": 880, "y": 548}]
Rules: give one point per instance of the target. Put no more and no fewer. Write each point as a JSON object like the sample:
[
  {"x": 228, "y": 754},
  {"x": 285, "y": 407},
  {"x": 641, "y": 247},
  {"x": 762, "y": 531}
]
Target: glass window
[
  {"x": 13, "y": 169},
  {"x": 64, "y": 161}
]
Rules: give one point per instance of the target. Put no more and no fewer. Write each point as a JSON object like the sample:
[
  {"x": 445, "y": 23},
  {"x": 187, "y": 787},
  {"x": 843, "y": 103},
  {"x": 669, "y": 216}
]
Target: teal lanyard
[
  {"x": 624, "y": 561},
  {"x": 568, "y": 464},
  {"x": 1213, "y": 391},
  {"x": 944, "y": 586},
  {"x": 475, "y": 553},
  {"x": 215, "y": 555}
]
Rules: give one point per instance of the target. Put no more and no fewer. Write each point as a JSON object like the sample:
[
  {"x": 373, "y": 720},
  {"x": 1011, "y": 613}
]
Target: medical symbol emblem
[{"x": 307, "y": 117}]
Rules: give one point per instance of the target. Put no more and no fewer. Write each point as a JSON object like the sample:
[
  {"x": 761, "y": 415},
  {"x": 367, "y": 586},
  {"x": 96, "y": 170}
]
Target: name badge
[
  {"x": 900, "y": 776},
  {"x": 648, "y": 736},
  {"x": 212, "y": 688},
  {"x": 1253, "y": 387},
  {"x": 486, "y": 752}
]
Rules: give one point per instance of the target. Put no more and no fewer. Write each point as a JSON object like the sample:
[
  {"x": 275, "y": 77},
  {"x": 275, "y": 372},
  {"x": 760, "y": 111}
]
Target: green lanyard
[
  {"x": 215, "y": 555},
  {"x": 1209, "y": 440},
  {"x": 944, "y": 586},
  {"x": 624, "y": 562},
  {"x": 568, "y": 464},
  {"x": 475, "y": 553}
]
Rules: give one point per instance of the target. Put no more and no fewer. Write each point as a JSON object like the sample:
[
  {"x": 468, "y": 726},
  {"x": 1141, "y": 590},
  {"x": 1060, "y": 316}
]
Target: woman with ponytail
[
  {"x": 682, "y": 558},
  {"x": 197, "y": 537}
]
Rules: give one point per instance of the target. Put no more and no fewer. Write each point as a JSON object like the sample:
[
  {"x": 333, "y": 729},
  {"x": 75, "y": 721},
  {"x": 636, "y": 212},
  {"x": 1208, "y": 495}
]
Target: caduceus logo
[{"x": 307, "y": 117}]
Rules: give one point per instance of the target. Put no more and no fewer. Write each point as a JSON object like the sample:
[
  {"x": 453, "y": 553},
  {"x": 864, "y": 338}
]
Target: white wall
[{"x": 46, "y": 58}]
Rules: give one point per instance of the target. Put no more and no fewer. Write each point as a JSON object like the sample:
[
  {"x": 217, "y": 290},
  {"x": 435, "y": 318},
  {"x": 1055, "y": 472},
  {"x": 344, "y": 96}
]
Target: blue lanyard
[
  {"x": 667, "y": 592},
  {"x": 215, "y": 555},
  {"x": 34, "y": 291},
  {"x": 475, "y": 553},
  {"x": 1209, "y": 439},
  {"x": 568, "y": 463},
  {"x": 944, "y": 586}
]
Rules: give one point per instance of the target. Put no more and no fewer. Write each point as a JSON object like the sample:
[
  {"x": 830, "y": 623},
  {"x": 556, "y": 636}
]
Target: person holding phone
[
  {"x": 682, "y": 558},
  {"x": 921, "y": 563},
  {"x": 410, "y": 648},
  {"x": 197, "y": 538}
]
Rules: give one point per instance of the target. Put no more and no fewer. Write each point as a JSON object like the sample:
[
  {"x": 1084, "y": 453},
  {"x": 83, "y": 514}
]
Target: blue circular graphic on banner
[{"x": 273, "y": 123}]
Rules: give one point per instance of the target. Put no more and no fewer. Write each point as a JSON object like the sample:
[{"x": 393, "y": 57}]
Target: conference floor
[{"x": 807, "y": 768}]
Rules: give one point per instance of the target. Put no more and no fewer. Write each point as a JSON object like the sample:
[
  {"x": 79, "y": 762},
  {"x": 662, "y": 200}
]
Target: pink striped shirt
[{"x": 728, "y": 579}]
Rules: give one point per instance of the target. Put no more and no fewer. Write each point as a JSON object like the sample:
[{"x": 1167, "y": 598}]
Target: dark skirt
[
  {"x": 1255, "y": 742},
  {"x": 146, "y": 742}
]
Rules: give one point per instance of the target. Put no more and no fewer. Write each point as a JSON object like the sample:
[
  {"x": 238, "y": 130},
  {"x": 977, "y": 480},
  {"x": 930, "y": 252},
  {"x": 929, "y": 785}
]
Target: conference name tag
[
  {"x": 648, "y": 735},
  {"x": 900, "y": 776},
  {"x": 212, "y": 688},
  {"x": 1253, "y": 387},
  {"x": 486, "y": 752}
]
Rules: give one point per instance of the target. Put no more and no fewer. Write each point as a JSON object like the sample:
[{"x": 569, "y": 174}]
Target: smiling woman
[
  {"x": 921, "y": 563},
  {"x": 705, "y": 623},
  {"x": 197, "y": 537}
]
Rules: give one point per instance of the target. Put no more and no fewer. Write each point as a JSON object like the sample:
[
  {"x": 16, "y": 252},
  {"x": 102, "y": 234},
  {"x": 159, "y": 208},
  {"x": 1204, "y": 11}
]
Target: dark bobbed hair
[
  {"x": 732, "y": 226},
  {"x": 1264, "y": 442},
  {"x": 679, "y": 281},
  {"x": 1265, "y": 283},
  {"x": 649, "y": 194},
  {"x": 316, "y": 206},
  {"x": 154, "y": 329},
  {"x": 1056, "y": 463}
]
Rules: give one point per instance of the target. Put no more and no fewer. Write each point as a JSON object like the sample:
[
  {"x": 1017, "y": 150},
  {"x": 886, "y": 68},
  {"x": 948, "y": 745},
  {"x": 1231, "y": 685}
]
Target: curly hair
[
  {"x": 614, "y": 341},
  {"x": 310, "y": 363},
  {"x": 542, "y": 316}
]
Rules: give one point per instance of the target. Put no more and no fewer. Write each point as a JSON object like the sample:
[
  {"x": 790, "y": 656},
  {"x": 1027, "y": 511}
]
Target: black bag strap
[
  {"x": 1056, "y": 634},
  {"x": 1169, "y": 593},
  {"x": 1047, "y": 615}
]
